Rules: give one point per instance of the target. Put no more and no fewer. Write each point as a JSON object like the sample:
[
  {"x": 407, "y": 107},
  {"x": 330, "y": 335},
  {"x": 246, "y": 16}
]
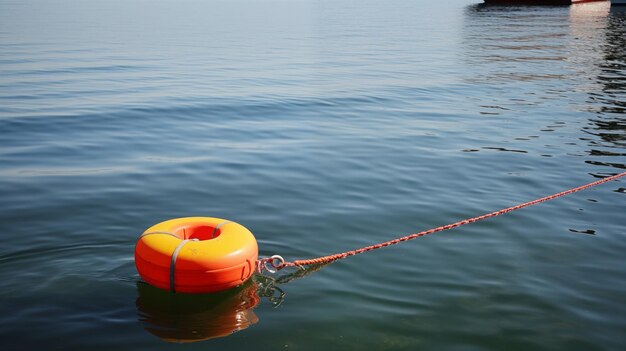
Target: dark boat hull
[{"x": 537, "y": 2}]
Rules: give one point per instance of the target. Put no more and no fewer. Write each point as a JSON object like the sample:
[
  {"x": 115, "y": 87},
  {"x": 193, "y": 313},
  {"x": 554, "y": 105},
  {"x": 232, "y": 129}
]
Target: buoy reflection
[{"x": 188, "y": 318}]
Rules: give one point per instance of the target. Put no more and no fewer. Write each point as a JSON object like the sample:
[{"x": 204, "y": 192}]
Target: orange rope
[{"x": 278, "y": 262}]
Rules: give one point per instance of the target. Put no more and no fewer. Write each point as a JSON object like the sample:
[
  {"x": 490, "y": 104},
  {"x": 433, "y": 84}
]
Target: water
[{"x": 322, "y": 126}]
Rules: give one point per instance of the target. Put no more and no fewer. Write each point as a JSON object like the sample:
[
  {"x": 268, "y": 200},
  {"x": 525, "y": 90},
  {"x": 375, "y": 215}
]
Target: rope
[{"x": 278, "y": 262}]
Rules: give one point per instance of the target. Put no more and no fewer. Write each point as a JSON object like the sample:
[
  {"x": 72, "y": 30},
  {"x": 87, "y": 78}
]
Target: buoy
[{"x": 196, "y": 255}]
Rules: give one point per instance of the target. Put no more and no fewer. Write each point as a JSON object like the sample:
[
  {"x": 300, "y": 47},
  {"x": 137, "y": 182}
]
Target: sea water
[{"x": 322, "y": 126}]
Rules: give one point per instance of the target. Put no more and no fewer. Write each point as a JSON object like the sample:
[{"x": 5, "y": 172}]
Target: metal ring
[
  {"x": 268, "y": 267},
  {"x": 281, "y": 261}
]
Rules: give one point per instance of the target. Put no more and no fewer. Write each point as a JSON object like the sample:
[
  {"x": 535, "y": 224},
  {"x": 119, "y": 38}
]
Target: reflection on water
[
  {"x": 613, "y": 67},
  {"x": 609, "y": 103},
  {"x": 587, "y": 25},
  {"x": 573, "y": 54},
  {"x": 188, "y": 318}
]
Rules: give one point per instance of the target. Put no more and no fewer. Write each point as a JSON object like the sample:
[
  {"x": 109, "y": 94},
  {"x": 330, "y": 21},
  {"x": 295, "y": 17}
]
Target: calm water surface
[{"x": 322, "y": 126}]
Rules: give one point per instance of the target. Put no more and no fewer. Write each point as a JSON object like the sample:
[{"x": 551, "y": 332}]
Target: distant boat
[{"x": 547, "y": 2}]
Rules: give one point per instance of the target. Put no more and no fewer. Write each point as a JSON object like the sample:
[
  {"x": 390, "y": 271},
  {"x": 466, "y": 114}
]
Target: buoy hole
[{"x": 199, "y": 232}]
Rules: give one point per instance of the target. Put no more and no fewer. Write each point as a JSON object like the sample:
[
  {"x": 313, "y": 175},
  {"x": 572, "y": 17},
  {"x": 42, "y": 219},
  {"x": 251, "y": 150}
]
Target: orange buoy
[{"x": 196, "y": 255}]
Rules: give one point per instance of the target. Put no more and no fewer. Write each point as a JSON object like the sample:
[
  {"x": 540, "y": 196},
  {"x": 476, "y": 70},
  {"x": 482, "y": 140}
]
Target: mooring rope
[{"x": 276, "y": 262}]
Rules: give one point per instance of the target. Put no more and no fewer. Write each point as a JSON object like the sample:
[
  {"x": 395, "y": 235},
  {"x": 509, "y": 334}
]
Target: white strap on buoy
[
  {"x": 218, "y": 227},
  {"x": 173, "y": 265}
]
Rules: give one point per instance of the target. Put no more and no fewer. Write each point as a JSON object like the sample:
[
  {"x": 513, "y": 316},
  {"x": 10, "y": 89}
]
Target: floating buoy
[{"x": 196, "y": 255}]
